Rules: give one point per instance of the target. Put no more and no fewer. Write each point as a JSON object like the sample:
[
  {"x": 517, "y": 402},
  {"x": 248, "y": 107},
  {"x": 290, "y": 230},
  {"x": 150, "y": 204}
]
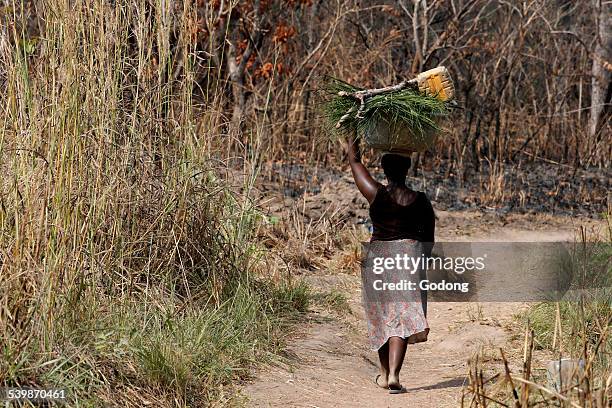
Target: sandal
[
  {"x": 400, "y": 390},
  {"x": 377, "y": 383}
]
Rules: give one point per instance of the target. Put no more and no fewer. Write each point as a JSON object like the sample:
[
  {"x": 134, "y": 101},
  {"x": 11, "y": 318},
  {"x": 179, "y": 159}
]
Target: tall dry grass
[{"x": 125, "y": 255}]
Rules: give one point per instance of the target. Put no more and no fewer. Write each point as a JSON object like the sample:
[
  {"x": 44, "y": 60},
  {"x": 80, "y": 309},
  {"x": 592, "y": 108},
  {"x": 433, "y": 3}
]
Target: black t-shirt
[{"x": 392, "y": 221}]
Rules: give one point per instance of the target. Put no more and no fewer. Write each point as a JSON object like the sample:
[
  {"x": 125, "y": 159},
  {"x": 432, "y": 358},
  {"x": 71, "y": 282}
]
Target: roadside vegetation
[
  {"x": 128, "y": 269},
  {"x": 575, "y": 332}
]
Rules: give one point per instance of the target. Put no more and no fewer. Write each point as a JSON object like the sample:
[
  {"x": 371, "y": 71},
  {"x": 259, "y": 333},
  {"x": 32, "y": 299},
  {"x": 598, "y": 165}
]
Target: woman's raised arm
[{"x": 364, "y": 181}]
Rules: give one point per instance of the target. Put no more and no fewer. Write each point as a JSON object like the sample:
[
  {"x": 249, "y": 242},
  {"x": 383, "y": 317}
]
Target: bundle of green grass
[{"x": 398, "y": 119}]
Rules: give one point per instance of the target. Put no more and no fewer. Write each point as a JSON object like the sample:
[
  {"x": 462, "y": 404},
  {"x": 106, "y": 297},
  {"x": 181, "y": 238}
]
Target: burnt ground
[{"x": 524, "y": 188}]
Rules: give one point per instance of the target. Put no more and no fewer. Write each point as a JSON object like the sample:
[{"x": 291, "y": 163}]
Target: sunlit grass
[{"x": 126, "y": 263}]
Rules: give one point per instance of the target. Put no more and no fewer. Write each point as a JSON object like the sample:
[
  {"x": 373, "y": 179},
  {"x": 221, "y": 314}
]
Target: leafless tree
[{"x": 602, "y": 63}]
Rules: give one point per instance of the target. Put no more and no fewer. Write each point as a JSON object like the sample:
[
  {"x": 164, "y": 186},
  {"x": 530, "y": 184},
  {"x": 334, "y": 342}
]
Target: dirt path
[
  {"x": 332, "y": 366},
  {"x": 329, "y": 364}
]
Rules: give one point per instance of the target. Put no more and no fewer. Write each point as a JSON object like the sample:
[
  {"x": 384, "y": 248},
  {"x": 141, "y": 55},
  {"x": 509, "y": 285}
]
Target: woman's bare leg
[
  {"x": 383, "y": 356},
  {"x": 397, "y": 351}
]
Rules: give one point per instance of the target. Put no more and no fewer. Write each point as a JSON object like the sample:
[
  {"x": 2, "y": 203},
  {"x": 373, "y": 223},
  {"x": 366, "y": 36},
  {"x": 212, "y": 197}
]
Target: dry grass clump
[
  {"x": 125, "y": 259},
  {"x": 575, "y": 332},
  {"x": 585, "y": 384},
  {"x": 310, "y": 234}
]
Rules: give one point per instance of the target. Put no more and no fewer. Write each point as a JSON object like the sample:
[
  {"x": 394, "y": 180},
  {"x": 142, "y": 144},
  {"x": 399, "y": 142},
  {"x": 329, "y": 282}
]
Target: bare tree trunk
[
  {"x": 310, "y": 33},
  {"x": 236, "y": 74},
  {"x": 238, "y": 91},
  {"x": 237, "y": 69},
  {"x": 602, "y": 57}
]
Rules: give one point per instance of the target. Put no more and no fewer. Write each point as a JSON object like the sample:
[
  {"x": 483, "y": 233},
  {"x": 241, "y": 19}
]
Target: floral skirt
[{"x": 398, "y": 313}]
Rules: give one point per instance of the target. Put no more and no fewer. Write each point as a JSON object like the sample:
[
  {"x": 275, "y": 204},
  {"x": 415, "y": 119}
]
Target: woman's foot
[
  {"x": 394, "y": 385},
  {"x": 381, "y": 381}
]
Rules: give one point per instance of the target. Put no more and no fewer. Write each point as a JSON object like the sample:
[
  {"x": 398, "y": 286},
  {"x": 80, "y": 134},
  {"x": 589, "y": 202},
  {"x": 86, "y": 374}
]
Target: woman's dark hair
[{"x": 395, "y": 166}]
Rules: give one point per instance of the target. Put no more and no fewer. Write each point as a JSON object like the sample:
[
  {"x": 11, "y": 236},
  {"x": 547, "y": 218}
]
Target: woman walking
[{"x": 401, "y": 218}]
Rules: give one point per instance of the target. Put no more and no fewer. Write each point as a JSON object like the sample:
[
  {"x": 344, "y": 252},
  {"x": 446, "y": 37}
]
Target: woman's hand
[{"x": 354, "y": 154}]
